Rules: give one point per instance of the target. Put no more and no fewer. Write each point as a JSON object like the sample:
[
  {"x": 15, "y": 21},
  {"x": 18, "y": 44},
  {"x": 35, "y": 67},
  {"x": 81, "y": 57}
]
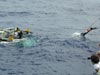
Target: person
[
  {"x": 10, "y": 38},
  {"x": 17, "y": 29},
  {"x": 18, "y": 33},
  {"x": 27, "y": 33},
  {"x": 87, "y": 31},
  {"x": 96, "y": 63}
]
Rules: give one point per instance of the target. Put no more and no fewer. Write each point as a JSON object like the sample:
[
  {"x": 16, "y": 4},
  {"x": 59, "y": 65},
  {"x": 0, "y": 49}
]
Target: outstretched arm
[{"x": 88, "y": 30}]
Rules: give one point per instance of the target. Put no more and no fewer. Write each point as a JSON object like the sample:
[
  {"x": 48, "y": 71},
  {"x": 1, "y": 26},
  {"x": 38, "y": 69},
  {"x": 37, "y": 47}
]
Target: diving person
[{"x": 87, "y": 31}]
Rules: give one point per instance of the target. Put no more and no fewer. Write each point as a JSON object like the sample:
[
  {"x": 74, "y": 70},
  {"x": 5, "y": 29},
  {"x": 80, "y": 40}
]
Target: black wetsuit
[
  {"x": 20, "y": 34},
  {"x": 83, "y": 34}
]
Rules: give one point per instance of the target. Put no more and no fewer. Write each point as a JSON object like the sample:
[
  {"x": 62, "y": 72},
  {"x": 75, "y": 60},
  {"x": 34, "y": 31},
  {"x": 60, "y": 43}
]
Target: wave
[
  {"x": 88, "y": 45},
  {"x": 19, "y": 13},
  {"x": 23, "y": 13}
]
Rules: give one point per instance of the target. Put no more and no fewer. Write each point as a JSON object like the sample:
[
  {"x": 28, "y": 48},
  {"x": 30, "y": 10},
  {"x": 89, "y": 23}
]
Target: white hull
[{"x": 14, "y": 41}]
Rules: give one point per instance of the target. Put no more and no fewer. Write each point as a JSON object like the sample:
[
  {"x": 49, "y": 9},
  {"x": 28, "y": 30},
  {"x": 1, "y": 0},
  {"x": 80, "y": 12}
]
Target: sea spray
[{"x": 28, "y": 42}]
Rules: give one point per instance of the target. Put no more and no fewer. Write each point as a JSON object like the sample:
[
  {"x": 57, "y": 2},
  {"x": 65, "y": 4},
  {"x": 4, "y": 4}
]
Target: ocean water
[{"x": 52, "y": 50}]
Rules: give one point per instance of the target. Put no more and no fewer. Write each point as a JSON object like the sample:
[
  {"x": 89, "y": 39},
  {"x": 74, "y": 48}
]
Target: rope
[{"x": 94, "y": 22}]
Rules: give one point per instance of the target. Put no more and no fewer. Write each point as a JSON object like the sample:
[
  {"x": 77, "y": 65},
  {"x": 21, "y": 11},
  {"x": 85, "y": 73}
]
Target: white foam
[{"x": 76, "y": 34}]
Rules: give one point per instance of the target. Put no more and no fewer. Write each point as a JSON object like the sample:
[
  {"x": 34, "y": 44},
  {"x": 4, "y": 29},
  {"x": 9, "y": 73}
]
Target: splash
[
  {"x": 76, "y": 34},
  {"x": 29, "y": 42}
]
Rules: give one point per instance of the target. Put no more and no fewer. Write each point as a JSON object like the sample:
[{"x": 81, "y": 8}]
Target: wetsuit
[
  {"x": 20, "y": 34},
  {"x": 83, "y": 34}
]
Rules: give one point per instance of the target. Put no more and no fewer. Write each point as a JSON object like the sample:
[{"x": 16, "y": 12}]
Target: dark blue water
[{"x": 52, "y": 50}]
